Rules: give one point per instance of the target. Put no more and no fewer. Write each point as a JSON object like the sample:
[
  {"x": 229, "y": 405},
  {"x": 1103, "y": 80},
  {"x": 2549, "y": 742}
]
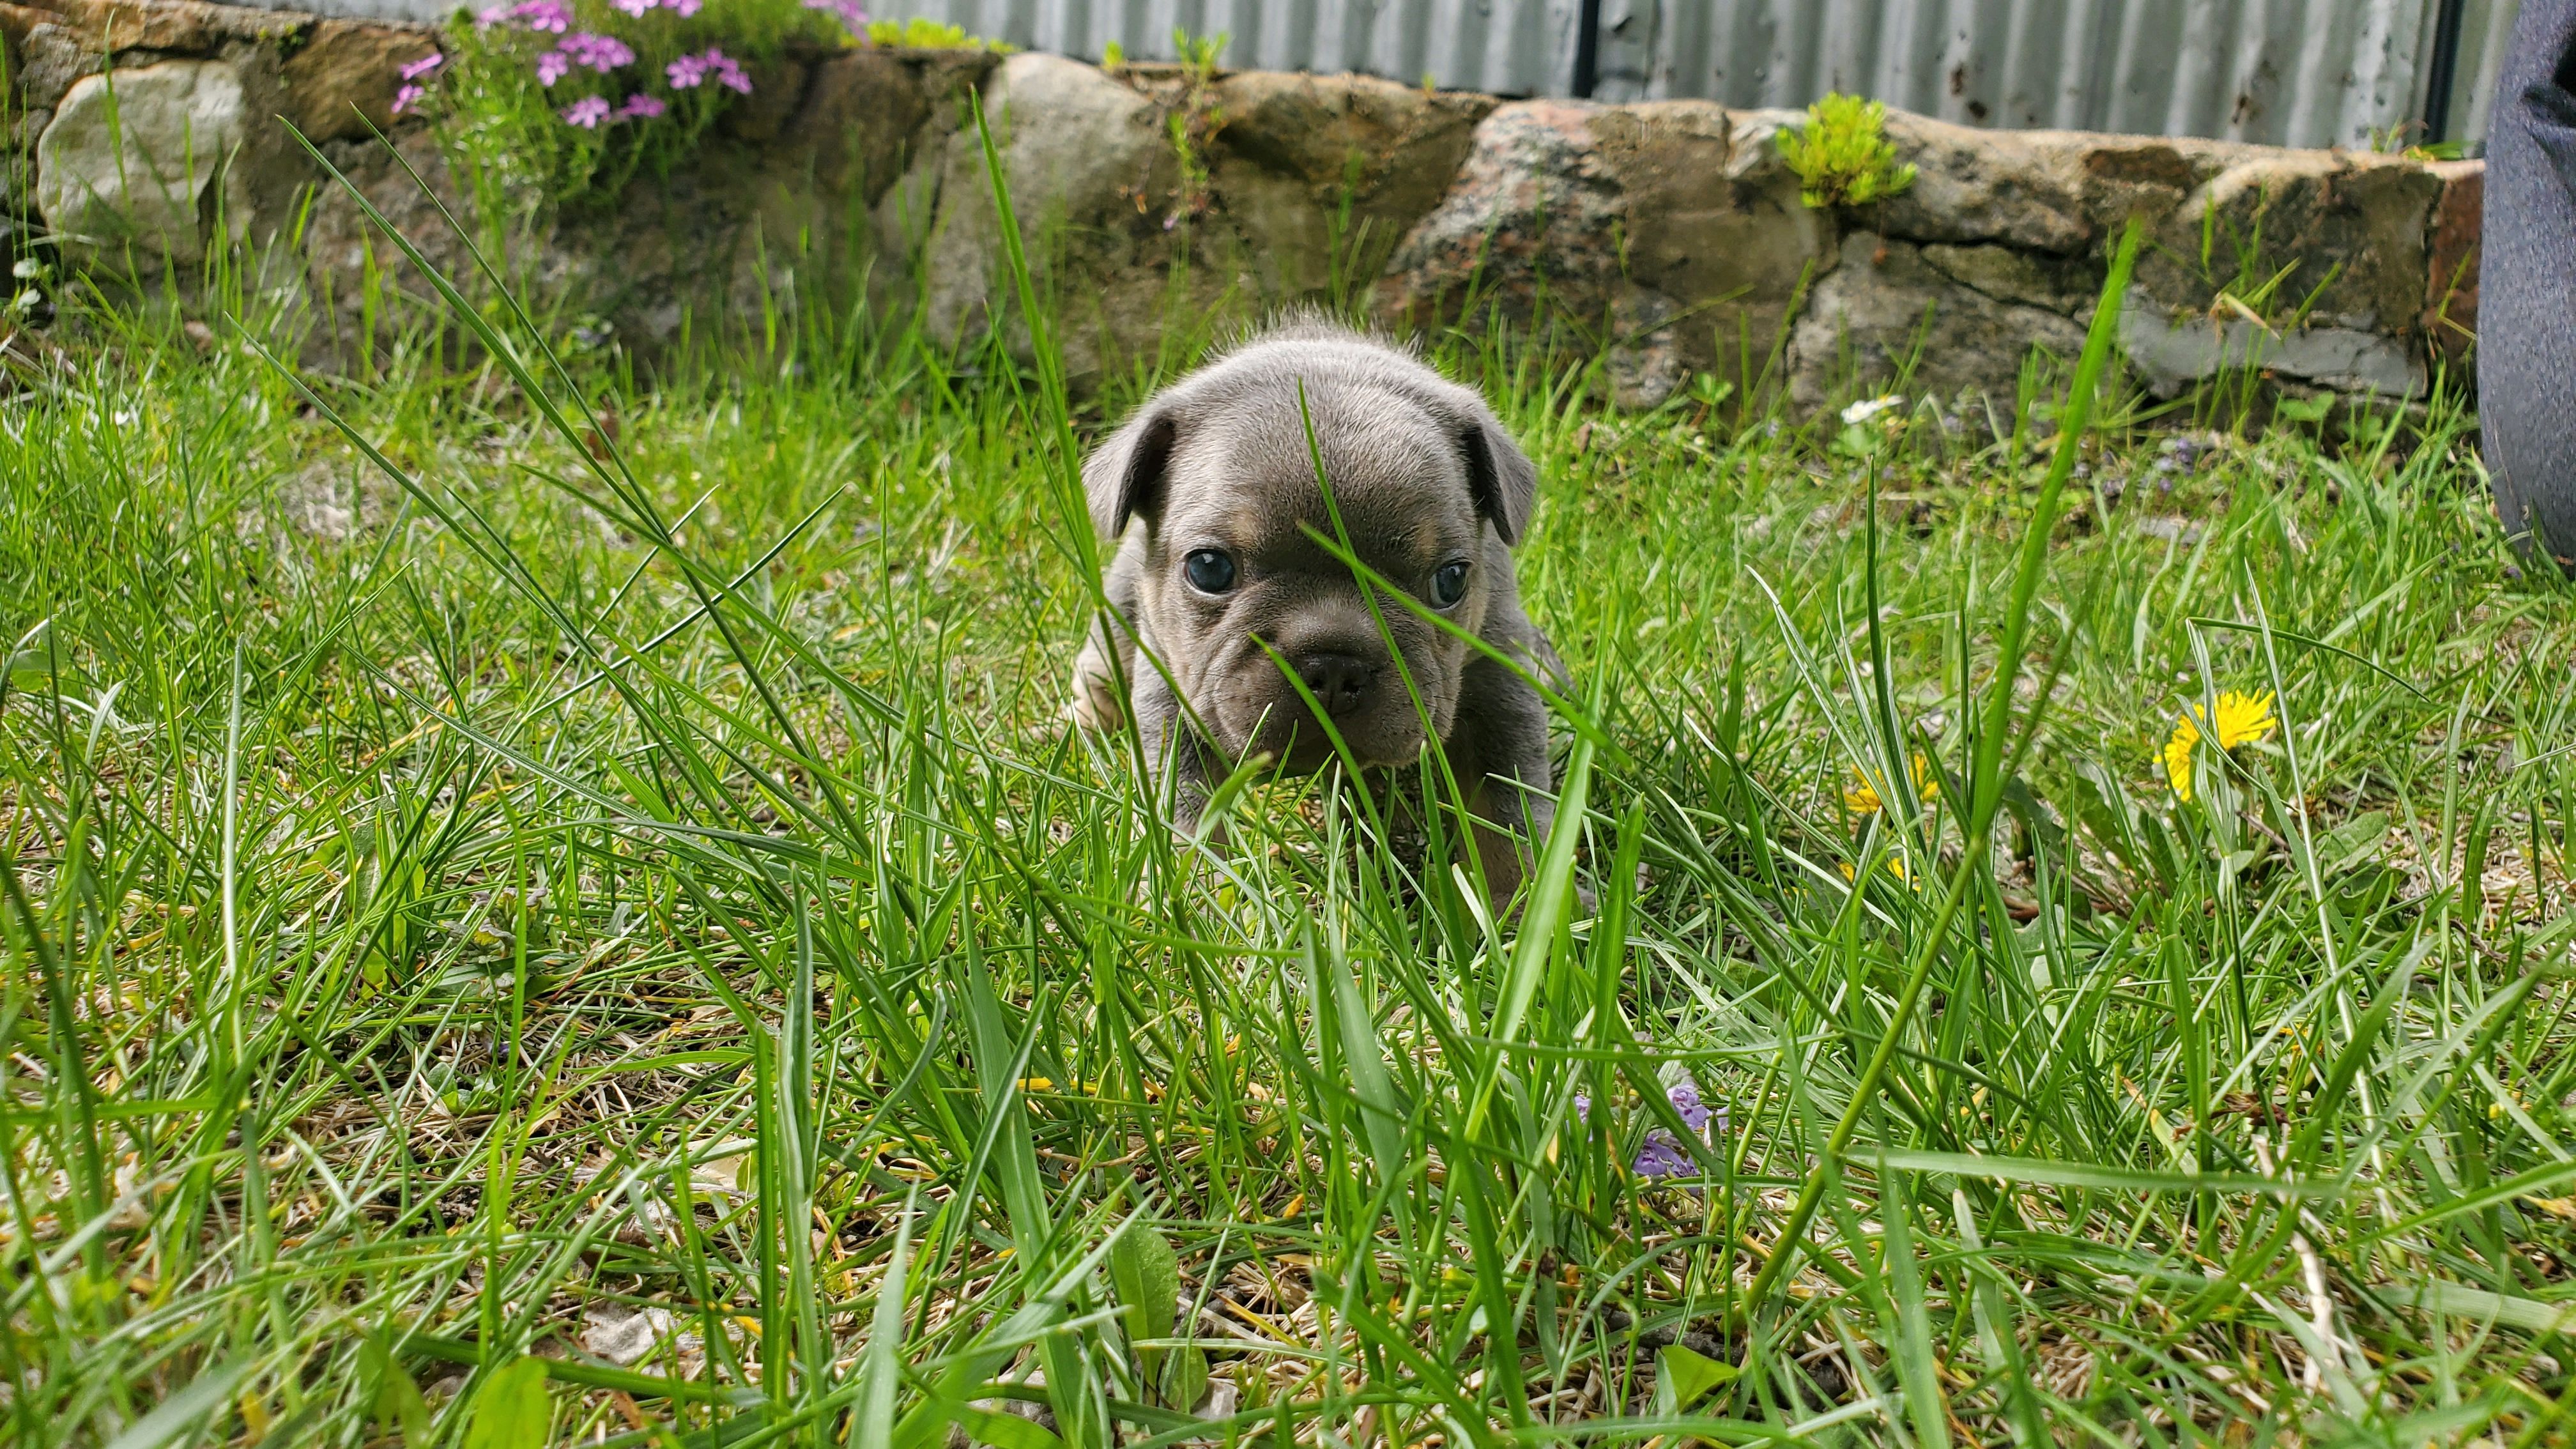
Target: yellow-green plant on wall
[
  {"x": 1842, "y": 154},
  {"x": 920, "y": 34}
]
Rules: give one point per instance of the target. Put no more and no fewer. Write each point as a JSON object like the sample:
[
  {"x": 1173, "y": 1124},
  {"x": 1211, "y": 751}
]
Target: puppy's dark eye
[
  {"x": 1449, "y": 585},
  {"x": 1209, "y": 571}
]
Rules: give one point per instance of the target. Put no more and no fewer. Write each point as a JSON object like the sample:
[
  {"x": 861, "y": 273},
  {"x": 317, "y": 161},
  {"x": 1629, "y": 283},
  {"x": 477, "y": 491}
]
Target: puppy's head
[{"x": 1252, "y": 616}]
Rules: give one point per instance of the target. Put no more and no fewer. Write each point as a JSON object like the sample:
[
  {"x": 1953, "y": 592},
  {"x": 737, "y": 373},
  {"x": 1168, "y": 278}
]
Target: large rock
[
  {"x": 50, "y": 58},
  {"x": 1670, "y": 232},
  {"x": 2311, "y": 265},
  {"x": 870, "y": 113},
  {"x": 1319, "y": 178},
  {"x": 2328, "y": 236},
  {"x": 1084, "y": 159},
  {"x": 1950, "y": 321},
  {"x": 2063, "y": 192},
  {"x": 172, "y": 27},
  {"x": 342, "y": 82},
  {"x": 123, "y": 171},
  {"x": 2450, "y": 319},
  {"x": 2172, "y": 353}
]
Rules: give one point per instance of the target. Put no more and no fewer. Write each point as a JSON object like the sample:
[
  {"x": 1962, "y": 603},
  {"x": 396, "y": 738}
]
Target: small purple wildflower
[
  {"x": 1687, "y": 1105},
  {"x": 686, "y": 8},
  {"x": 1583, "y": 1106},
  {"x": 1663, "y": 1156},
  {"x": 693, "y": 70},
  {"x": 587, "y": 112},
  {"x": 422, "y": 66},
  {"x": 408, "y": 97},
  {"x": 602, "y": 53},
  {"x": 552, "y": 66},
  {"x": 640, "y": 107},
  {"x": 852, "y": 18},
  {"x": 635, "y": 8},
  {"x": 551, "y": 16}
]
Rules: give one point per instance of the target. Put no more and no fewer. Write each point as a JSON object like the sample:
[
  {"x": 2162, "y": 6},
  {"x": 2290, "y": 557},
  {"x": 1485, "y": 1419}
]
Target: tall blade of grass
[{"x": 1985, "y": 777}]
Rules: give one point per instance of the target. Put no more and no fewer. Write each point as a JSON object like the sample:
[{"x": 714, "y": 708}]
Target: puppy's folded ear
[
  {"x": 1501, "y": 478},
  {"x": 1123, "y": 477}
]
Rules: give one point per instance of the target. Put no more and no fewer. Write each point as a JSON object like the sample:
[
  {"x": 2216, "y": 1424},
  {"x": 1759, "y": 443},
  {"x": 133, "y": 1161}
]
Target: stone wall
[{"x": 1668, "y": 232}]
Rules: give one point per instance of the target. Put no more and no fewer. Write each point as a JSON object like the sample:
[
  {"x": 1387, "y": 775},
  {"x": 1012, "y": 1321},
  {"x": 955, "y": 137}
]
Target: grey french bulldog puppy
[{"x": 1210, "y": 490}]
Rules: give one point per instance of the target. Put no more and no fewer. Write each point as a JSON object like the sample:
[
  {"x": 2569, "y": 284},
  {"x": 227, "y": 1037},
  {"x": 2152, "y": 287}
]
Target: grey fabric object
[{"x": 2527, "y": 316}]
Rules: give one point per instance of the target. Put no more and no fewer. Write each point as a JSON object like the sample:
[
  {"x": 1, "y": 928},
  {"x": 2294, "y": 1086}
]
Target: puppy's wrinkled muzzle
[
  {"x": 1333, "y": 692},
  {"x": 1340, "y": 683}
]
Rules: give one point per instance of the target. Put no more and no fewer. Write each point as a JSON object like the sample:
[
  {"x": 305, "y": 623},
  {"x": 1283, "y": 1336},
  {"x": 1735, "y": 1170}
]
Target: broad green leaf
[
  {"x": 400, "y": 1408},
  {"x": 999, "y": 1429},
  {"x": 2352, "y": 843},
  {"x": 1688, "y": 1376},
  {"x": 512, "y": 1411},
  {"x": 1185, "y": 1378},
  {"x": 1146, "y": 1271}
]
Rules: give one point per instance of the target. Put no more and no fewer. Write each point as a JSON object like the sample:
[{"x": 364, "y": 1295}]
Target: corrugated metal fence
[{"x": 2286, "y": 72}]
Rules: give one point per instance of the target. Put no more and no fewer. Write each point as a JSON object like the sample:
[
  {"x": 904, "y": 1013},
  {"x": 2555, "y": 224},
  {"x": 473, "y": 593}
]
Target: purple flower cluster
[
  {"x": 590, "y": 112},
  {"x": 602, "y": 53},
  {"x": 695, "y": 70},
  {"x": 1662, "y": 1154},
  {"x": 592, "y": 51},
  {"x": 852, "y": 18},
  {"x": 551, "y": 16},
  {"x": 412, "y": 91}
]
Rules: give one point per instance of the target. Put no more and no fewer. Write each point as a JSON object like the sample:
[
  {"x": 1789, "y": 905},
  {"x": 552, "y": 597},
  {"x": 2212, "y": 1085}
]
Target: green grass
[{"x": 656, "y": 877}]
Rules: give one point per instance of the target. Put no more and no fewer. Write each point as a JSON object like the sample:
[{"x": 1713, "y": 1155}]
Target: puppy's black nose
[{"x": 1339, "y": 682}]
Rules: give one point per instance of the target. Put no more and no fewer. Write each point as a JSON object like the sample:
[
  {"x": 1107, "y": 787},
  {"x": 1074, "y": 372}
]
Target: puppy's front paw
[{"x": 1094, "y": 705}]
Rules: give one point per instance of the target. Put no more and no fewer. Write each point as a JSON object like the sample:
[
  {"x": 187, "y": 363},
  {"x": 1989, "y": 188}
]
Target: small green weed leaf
[
  {"x": 1185, "y": 1377},
  {"x": 512, "y": 1411},
  {"x": 400, "y": 1409},
  {"x": 1146, "y": 1272},
  {"x": 2353, "y": 843},
  {"x": 999, "y": 1429},
  {"x": 1685, "y": 1376}
]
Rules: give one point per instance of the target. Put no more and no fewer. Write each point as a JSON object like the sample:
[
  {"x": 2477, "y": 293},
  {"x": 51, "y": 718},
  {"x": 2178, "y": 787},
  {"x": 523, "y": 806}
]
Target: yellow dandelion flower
[
  {"x": 1895, "y": 866},
  {"x": 1860, "y": 797},
  {"x": 2178, "y": 757},
  {"x": 2242, "y": 719}
]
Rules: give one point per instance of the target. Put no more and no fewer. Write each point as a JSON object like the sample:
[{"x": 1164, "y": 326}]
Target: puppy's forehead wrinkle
[{"x": 1245, "y": 477}]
